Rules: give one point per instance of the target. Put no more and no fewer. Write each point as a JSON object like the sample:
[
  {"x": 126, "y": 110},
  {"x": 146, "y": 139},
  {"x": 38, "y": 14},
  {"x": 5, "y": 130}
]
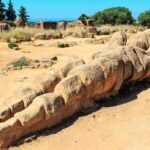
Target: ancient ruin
[{"x": 68, "y": 86}]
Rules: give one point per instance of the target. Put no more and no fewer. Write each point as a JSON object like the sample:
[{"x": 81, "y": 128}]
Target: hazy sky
[{"x": 71, "y": 9}]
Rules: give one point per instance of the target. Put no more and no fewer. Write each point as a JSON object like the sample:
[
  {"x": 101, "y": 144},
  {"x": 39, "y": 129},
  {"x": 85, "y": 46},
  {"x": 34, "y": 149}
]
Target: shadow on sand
[{"x": 125, "y": 95}]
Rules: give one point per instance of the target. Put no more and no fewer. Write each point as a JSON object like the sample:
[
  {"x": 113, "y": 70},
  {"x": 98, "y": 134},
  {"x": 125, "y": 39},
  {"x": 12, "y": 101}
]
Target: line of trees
[
  {"x": 118, "y": 15},
  {"x": 9, "y": 13}
]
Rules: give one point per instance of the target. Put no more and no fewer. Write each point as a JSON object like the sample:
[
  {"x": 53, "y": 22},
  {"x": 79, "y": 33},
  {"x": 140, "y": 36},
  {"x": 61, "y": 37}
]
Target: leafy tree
[
  {"x": 23, "y": 14},
  {"x": 83, "y": 17},
  {"x": 144, "y": 18},
  {"x": 10, "y": 12},
  {"x": 115, "y": 15},
  {"x": 2, "y": 10}
]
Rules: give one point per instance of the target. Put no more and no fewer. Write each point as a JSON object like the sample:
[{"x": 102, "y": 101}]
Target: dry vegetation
[
  {"x": 18, "y": 33},
  {"x": 21, "y": 34},
  {"x": 26, "y": 34},
  {"x": 107, "y": 29}
]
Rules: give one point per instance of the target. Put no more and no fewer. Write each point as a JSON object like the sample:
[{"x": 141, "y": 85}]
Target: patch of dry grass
[
  {"x": 21, "y": 34},
  {"x": 115, "y": 28},
  {"x": 26, "y": 34}
]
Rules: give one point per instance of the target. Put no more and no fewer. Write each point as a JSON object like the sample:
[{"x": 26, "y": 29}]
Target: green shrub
[
  {"x": 12, "y": 45},
  {"x": 21, "y": 62},
  {"x": 144, "y": 18},
  {"x": 113, "y": 16},
  {"x": 62, "y": 45},
  {"x": 83, "y": 17},
  {"x": 10, "y": 23}
]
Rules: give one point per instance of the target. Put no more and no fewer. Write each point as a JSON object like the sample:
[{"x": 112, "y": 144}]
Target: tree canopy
[
  {"x": 115, "y": 15},
  {"x": 2, "y": 10},
  {"x": 83, "y": 17},
  {"x": 10, "y": 12},
  {"x": 23, "y": 14},
  {"x": 144, "y": 18}
]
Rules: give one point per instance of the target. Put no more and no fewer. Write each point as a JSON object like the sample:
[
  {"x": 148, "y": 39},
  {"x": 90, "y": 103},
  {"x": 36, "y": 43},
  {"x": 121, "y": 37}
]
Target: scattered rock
[
  {"x": 13, "y": 40},
  {"x": 118, "y": 39},
  {"x": 92, "y": 30},
  {"x": 140, "y": 39}
]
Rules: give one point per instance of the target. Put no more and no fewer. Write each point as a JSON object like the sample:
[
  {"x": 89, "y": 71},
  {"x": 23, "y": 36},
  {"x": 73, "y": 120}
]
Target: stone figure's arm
[{"x": 24, "y": 95}]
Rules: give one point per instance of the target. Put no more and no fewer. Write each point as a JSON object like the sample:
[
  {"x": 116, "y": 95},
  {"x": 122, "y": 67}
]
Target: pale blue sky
[{"x": 71, "y": 9}]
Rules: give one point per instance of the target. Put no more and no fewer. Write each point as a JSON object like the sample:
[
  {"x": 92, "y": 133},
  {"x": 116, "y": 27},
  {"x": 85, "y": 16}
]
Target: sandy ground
[
  {"x": 36, "y": 52},
  {"x": 120, "y": 123}
]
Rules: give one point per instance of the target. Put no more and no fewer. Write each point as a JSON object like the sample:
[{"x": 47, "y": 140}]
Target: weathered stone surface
[
  {"x": 140, "y": 39},
  {"x": 126, "y": 54},
  {"x": 19, "y": 22},
  {"x": 92, "y": 30},
  {"x": 46, "y": 81},
  {"x": 118, "y": 39},
  {"x": 90, "y": 22},
  {"x": 9, "y": 131},
  {"x": 40, "y": 84},
  {"x": 75, "y": 24},
  {"x": 109, "y": 67},
  {"x": 63, "y": 68},
  {"x": 61, "y": 25},
  {"x": 46, "y": 24},
  {"x": 4, "y": 27},
  {"x": 70, "y": 88},
  {"x": 101, "y": 75},
  {"x": 93, "y": 78},
  {"x": 5, "y": 113}
]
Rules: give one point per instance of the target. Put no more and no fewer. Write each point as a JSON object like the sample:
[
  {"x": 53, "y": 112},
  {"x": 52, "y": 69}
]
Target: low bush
[
  {"x": 12, "y": 45},
  {"x": 21, "y": 62},
  {"x": 63, "y": 45},
  {"x": 83, "y": 17}
]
